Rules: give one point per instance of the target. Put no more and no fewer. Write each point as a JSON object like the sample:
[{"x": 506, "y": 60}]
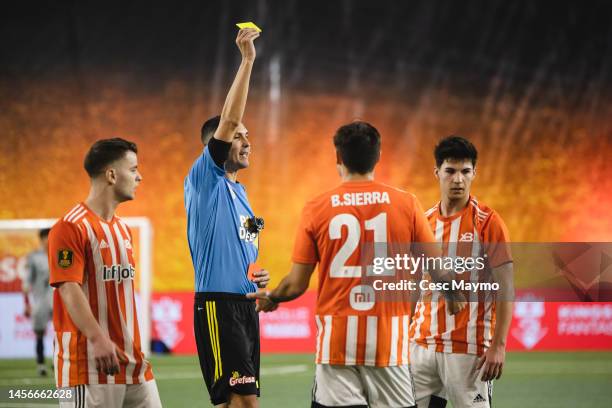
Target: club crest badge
[{"x": 64, "y": 258}]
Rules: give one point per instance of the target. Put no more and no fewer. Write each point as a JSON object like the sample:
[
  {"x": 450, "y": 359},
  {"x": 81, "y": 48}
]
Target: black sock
[{"x": 40, "y": 348}]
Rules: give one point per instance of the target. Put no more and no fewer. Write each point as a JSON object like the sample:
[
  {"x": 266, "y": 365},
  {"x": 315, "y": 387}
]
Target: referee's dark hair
[
  {"x": 358, "y": 144},
  {"x": 455, "y": 148},
  {"x": 208, "y": 129},
  {"x": 104, "y": 152}
]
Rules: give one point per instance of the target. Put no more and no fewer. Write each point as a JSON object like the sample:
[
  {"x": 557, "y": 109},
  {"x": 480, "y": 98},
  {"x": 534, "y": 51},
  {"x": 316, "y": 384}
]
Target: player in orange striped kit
[
  {"x": 458, "y": 356},
  {"x": 97, "y": 341},
  {"x": 362, "y": 343}
]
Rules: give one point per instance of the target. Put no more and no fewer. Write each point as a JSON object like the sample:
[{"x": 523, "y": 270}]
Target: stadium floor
[{"x": 580, "y": 379}]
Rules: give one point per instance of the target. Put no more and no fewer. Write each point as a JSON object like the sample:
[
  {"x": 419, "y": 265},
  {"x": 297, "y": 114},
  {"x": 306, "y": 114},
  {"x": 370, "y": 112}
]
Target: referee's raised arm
[{"x": 233, "y": 109}]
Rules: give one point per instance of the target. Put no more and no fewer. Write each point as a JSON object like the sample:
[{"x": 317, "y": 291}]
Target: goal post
[{"x": 145, "y": 268}]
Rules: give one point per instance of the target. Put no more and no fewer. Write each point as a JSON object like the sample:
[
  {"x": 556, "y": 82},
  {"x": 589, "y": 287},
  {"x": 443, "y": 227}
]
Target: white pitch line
[
  {"x": 280, "y": 370},
  {"x": 27, "y": 381},
  {"x": 185, "y": 375},
  {"x": 291, "y": 369},
  {"x": 25, "y": 405}
]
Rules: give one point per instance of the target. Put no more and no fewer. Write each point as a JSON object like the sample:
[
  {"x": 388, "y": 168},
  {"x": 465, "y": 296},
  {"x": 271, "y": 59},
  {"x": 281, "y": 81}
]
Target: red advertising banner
[
  {"x": 12, "y": 269},
  {"x": 549, "y": 326},
  {"x": 290, "y": 329},
  {"x": 172, "y": 321},
  {"x": 538, "y": 326}
]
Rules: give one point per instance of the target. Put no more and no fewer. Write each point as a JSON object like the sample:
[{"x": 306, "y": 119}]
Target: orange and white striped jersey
[
  {"x": 97, "y": 254},
  {"x": 352, "y": 327},
  {"x": 477, "y": 231}
]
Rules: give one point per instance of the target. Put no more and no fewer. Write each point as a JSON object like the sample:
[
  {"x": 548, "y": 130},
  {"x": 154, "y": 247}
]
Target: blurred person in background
[{"x": 36, "y": 286}]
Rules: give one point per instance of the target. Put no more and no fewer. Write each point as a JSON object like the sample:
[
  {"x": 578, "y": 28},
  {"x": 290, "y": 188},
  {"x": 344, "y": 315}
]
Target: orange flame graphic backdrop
[{"x": 543, "y": 166}]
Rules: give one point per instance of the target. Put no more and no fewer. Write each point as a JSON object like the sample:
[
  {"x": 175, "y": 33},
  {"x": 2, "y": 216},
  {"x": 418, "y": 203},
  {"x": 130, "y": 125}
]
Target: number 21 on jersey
[{"x": 377, "y": 224}]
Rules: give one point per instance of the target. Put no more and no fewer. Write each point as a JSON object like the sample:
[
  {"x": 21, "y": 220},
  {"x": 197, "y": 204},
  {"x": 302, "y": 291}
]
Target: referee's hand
[
  {"x": 244, "y": 41},
  {"x": 261, "y": 278},
  {"x": 264, "y": 303}
]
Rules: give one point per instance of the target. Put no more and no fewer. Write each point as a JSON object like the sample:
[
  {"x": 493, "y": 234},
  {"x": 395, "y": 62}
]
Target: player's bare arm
[
  {"x": 291, "y": 287},
  {"x": 494, "y": 358},
  {"x": 233, "y": 109},
  {"x": 105, "y": 352}
]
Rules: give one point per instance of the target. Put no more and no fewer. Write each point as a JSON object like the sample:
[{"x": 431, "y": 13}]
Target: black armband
[{"x": 219, "y": 150}]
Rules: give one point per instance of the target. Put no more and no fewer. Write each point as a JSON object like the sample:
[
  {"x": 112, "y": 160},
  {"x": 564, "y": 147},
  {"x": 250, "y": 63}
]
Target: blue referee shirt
[{"x": 221, "y": 247}]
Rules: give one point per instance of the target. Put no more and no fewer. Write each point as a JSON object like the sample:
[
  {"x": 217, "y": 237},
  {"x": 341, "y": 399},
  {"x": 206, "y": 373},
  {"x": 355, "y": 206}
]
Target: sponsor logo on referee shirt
[{"x": 243, "y": 232}]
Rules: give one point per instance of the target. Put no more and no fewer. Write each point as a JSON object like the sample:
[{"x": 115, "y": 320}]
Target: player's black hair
[
  {"x": 358, "y": 144},
  {"x": 104, "y": 152},
  {"x": 455, "y": 148},
  {"x": 208, "y": 129},
  {"x": 43, "y": 233}
]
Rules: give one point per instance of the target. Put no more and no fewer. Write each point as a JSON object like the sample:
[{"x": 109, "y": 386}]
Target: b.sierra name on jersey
[{"x": 360, "y": 198}]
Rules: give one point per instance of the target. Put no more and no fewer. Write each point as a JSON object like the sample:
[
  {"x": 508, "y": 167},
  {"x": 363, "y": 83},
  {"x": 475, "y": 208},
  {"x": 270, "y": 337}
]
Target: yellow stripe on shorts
[
  {"x": 212, "y": 338},
  {"x": 217, "y": 337}
]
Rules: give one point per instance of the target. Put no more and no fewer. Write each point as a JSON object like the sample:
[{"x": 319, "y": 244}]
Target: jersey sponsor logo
[
  {"x": 103, "y": 244},
  {"x": 467, "y": 237},
  {"x": 362, "y": 297},
  {"x": 64, "y": 258},
  {"x": 361, "y": 198},
  {"x": 236, "y": 379},
  {"x": 118, "y": 273}
]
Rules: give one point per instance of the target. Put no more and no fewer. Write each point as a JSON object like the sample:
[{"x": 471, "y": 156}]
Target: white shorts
[
  {"x": 143, "y": 395},
  {"x": 340, "y": 386},
  {"x": 448, "y": 376}
]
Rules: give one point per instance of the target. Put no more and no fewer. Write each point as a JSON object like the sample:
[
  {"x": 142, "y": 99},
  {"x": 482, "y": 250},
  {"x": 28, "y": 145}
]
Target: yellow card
[{"x": 248, "y": 24}]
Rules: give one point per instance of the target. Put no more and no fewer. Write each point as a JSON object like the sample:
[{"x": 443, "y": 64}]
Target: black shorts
[{"x": 226, "y": 329}]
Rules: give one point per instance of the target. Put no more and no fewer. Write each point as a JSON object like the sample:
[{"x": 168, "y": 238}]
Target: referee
[{"x": 223, "y": 233}]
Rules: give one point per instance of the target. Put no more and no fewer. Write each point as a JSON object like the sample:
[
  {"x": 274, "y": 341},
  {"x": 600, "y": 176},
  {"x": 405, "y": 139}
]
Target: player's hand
[
  {"x": 261, "y": 278},
  {"x": 455, "y": 306},
  {"x": 245, "y": 44},
  {"x": 264, "y": 303},
  {"x": 493, "y": 363},
  {"x": 455, "y": 302},
  {"x": 106, "y": 355},
  {"x": 27, "y": 312}
]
